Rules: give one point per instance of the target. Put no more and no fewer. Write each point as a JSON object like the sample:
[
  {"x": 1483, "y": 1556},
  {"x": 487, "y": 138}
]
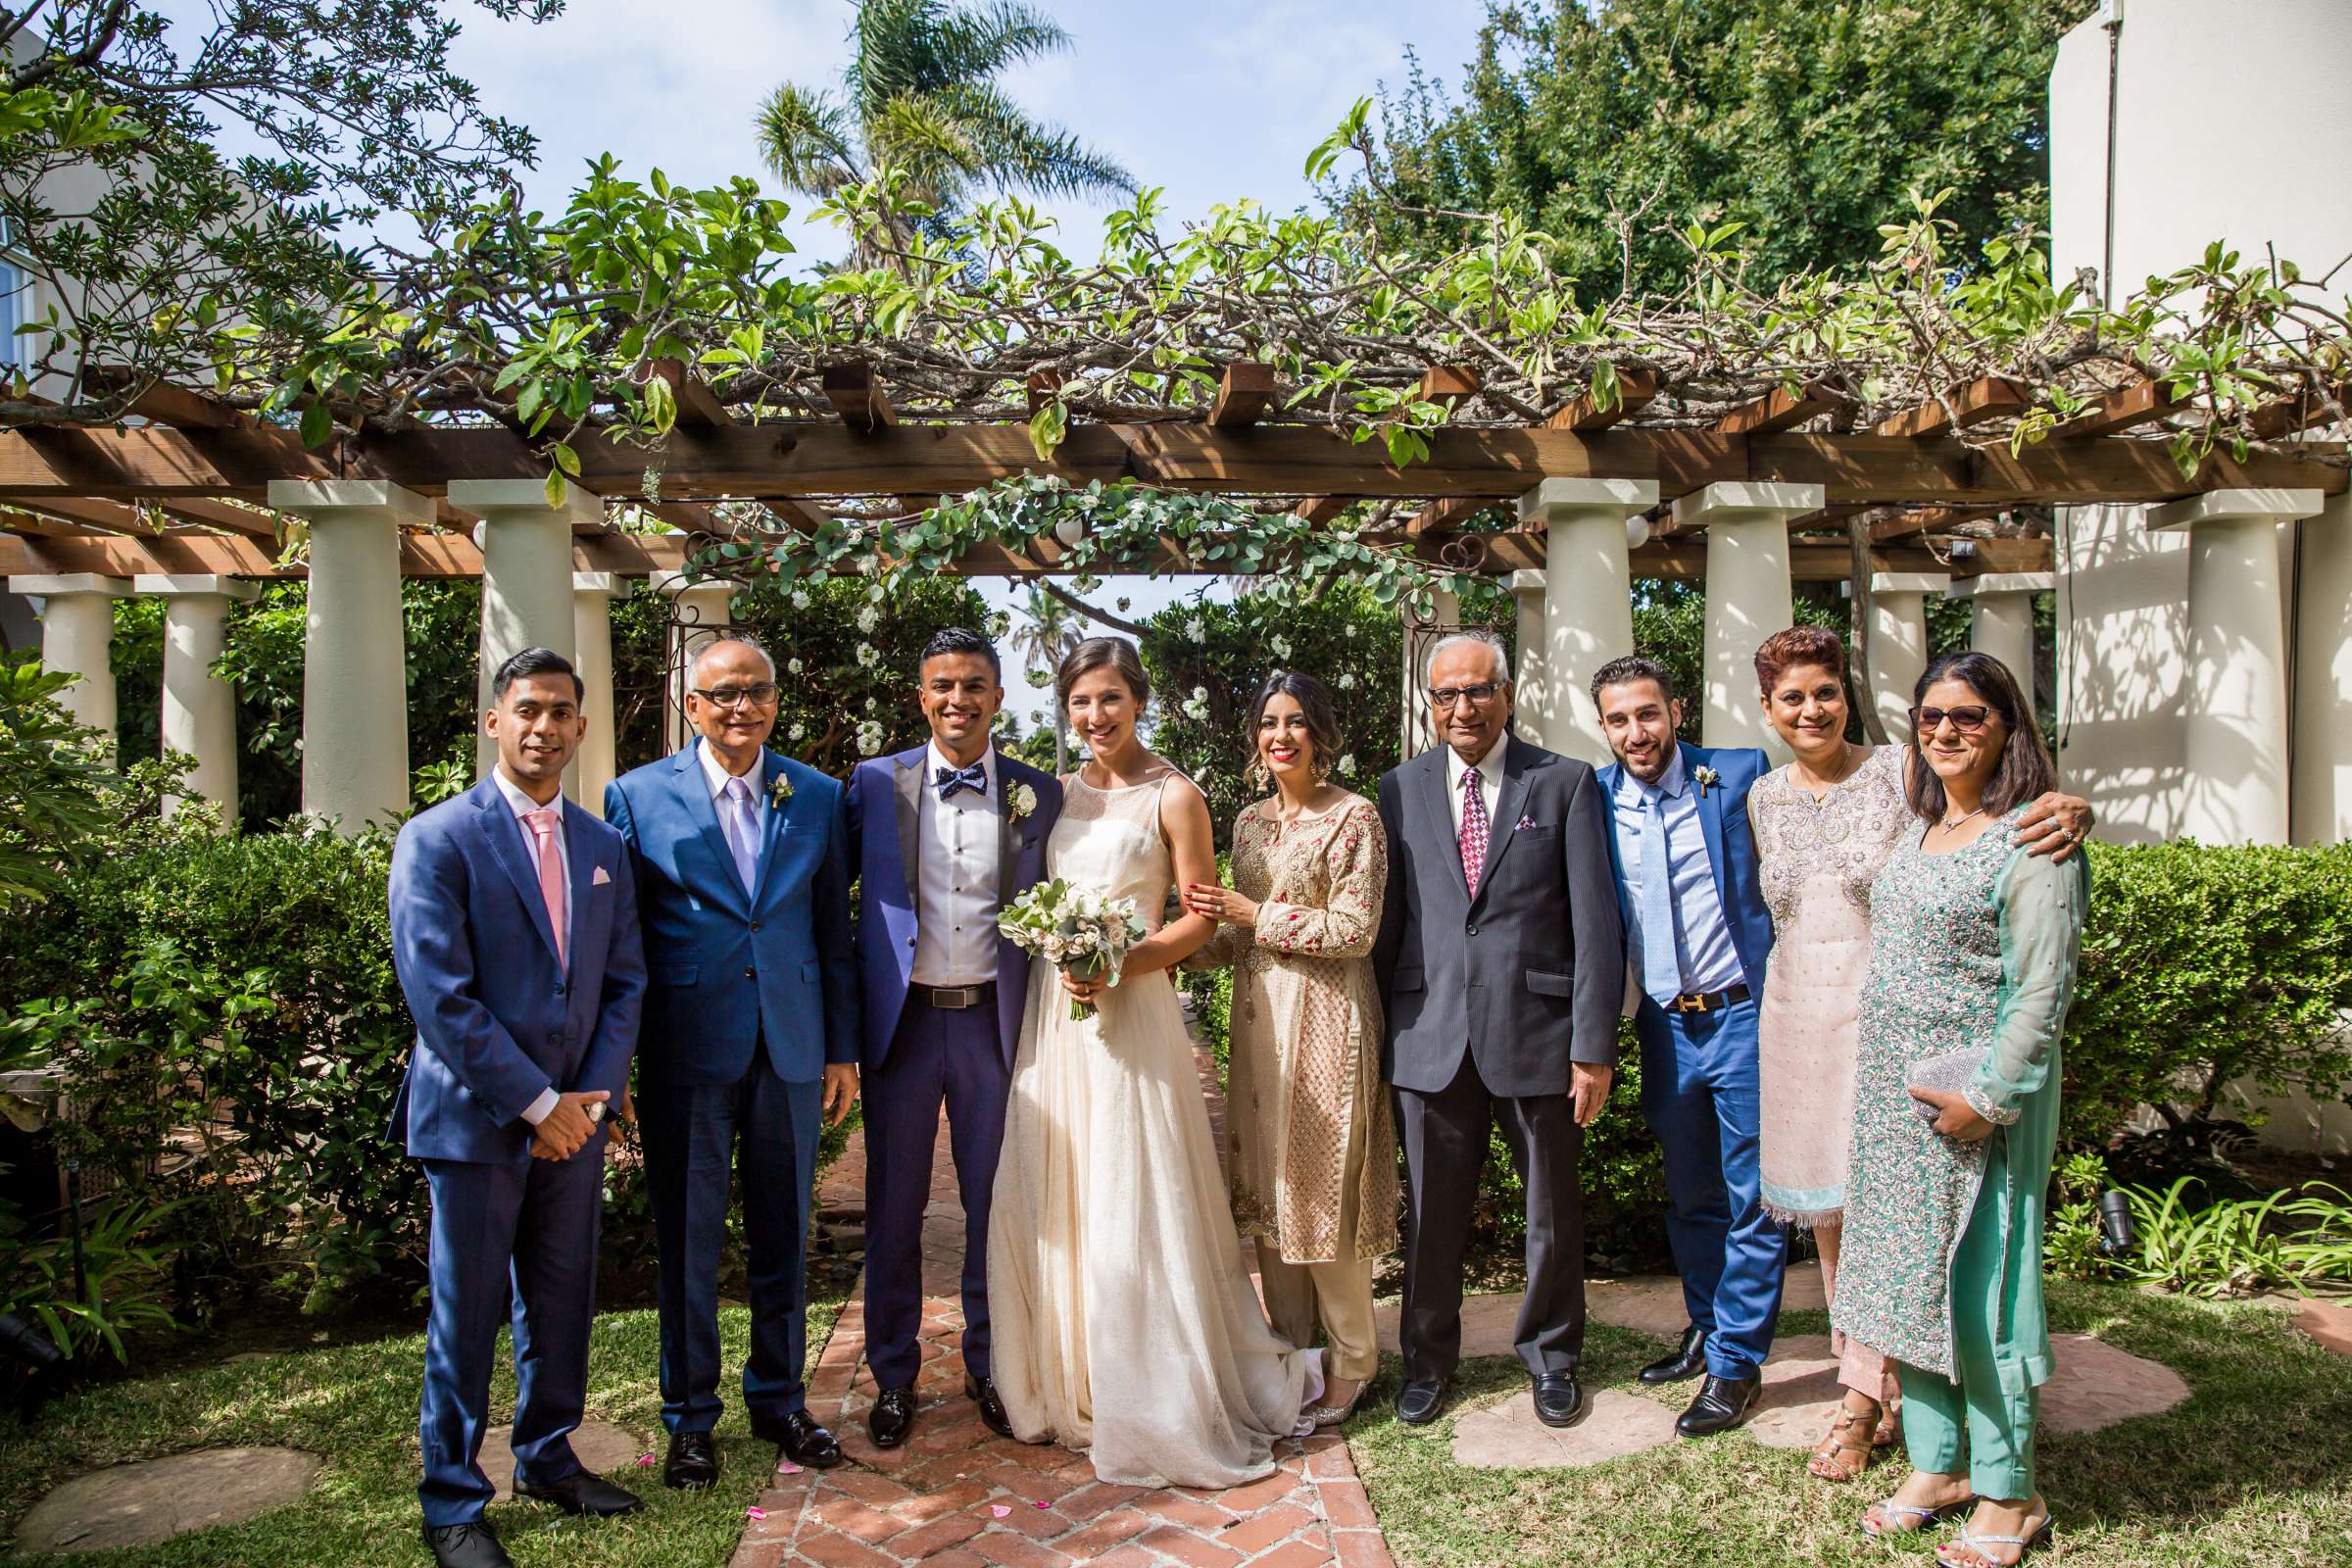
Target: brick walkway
[{"x": 956, "y": 1495}]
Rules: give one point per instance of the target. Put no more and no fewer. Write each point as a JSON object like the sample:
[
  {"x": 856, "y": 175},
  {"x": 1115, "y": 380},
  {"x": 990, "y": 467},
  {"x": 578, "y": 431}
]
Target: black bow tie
[{"x": 951, "y": 779}]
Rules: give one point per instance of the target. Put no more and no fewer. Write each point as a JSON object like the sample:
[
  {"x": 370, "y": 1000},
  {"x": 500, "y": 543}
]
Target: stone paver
[
  {"x": 957, "y": 1495},
  {"x": 1507, "y": 1436},
  {"x": 2327, "y": 1322},
  {"x": 610, "y": 1451},
  {"x": 139, "y": 1504}
]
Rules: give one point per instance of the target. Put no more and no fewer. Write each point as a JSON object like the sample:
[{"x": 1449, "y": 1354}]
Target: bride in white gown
[{"x": 1112, "y": 1259}]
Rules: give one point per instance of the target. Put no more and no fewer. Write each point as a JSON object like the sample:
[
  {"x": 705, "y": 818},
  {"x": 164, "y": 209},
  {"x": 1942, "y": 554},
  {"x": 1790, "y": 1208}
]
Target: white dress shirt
[
  {"x": 1490, "y": 780},
  {"x": 716, "y": 773},
  {"x": 522, "y": 804},
  {"x": 958, "y": 848}
]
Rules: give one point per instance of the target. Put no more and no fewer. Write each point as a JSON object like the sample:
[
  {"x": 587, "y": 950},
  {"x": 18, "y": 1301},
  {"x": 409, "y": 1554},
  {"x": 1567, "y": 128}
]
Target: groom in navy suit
[
  {"x": 946, "y": 835},
  {"x": 1698, "y": 933},
  {"x": 751, "y": 1036},
  {"x": 514, "y": 935}
]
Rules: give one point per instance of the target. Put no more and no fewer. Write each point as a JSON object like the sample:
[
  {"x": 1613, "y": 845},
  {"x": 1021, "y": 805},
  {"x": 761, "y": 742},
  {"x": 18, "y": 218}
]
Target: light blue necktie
[
  {"x": 742, "y": 833},
  {"x": 1661, "y": 968}
]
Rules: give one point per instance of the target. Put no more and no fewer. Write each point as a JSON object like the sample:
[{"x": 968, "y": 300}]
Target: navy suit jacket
[
  {"x": 730, "y": 970},
  {"x": 884, "y": 794},
  {"x": 1731, "y": 853},
  {"x": 499, "y": 1020}
]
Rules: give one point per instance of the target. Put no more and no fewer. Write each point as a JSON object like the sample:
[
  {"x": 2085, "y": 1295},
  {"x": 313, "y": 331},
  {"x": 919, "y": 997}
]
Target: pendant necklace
[{"x": 1952, "y": 822}]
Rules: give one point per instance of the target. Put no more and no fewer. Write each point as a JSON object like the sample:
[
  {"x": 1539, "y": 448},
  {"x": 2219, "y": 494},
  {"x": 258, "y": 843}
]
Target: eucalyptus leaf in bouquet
[{"x": 1077, "y": 929}]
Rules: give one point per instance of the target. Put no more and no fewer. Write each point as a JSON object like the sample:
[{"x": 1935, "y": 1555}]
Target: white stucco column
[
  {"x": 200, "y": 709},
  {"x": 354, "y": 682},
  {"x": 78, "y": 638},
  {"x": 597, "y": 763},
  {"x": 1748, "y": 597},
  {"x": 2000, "y": 618},
  {"x": 1418, "y": 725},
  {"x": 526, "y": 574},
  {"x": 2322, "y": 782},
  {"x": 1898, "y": 641},
  {"x": 1531, "y": 683},
  {"x": 703, "y": 610},
  {"x": 1591, "y": 528},
  {"x": 2236, "y": 757}
]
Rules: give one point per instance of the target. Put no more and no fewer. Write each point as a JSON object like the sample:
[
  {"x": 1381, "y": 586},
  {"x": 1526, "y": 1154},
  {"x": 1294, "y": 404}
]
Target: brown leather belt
[
  {"x": 954, "y": 998},
  {"x": 1707, "y": 1000}
]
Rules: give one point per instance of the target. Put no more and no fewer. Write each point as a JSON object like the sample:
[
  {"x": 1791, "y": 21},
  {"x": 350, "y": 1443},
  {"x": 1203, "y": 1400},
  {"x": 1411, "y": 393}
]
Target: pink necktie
[
  {"x": 542, "y": 824},
  {"x": 1474, "y": 830}
]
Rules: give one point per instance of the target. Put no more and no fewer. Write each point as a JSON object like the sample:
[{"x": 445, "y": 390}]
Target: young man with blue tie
[
  {"x": 514, "y": 935},
  {"x": 751, "y": 1040},
  {"x": 1697, "y": 934}
]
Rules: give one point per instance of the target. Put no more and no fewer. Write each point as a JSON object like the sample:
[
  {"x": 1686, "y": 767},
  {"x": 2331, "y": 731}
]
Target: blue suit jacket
[
  {"x": 1730, "y": 852},
  {"x": 883, "y": 795},
  {"x": 728, "y": 970},
  {"x": 499, "y": 1021}
]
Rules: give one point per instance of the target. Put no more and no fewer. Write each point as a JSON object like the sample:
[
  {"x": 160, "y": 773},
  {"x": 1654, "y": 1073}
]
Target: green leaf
[{"x": 316, "y": 424}]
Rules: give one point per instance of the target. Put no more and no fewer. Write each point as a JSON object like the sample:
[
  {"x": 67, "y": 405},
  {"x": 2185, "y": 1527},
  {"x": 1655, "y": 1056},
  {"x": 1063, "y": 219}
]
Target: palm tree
[
  {"x": 1050, "y": 629},
  {"x": 917, "y": 95}
]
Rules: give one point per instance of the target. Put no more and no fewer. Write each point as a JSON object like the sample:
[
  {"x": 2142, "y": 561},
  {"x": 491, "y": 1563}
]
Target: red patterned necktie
[{"x": 1474, "y": 829}]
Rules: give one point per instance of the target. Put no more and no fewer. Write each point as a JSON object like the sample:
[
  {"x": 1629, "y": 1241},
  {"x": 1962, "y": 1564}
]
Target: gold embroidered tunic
[{"x": 1313, "y": 1149}]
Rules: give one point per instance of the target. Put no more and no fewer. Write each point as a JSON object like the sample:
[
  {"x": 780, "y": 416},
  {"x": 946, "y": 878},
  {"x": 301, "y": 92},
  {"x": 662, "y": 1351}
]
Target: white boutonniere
[
  {"x": 1705, "y": 778},
  {"x": 779, "y": 792},
  {"x": 1020, "y": 801}
]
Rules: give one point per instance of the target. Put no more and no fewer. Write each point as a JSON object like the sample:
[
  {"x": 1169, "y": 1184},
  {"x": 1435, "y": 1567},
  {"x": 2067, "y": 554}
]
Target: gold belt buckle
[{"x": 1689, "y": 1001}]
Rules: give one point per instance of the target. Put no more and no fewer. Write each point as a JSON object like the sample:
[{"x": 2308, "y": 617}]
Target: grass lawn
[
  {"x": 2255, "y": 1468},
  {"x": 357, "y": 1406}
]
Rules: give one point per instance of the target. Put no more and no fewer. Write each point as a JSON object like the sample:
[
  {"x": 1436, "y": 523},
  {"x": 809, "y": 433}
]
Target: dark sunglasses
[{"x": 1967, "y": 720}]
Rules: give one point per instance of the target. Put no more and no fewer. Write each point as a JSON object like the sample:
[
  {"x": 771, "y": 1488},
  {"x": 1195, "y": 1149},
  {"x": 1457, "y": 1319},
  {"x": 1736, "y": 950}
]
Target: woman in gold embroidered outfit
[{"x": 1312, "y": 1151}]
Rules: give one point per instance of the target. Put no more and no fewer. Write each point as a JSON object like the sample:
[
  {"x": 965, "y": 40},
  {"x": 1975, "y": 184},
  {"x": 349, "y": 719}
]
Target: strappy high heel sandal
[
  {"x": 1829, "y": 1460},
  {"x": 1969, "y": 1552},
  {"x": 1883, "y": 1518}
]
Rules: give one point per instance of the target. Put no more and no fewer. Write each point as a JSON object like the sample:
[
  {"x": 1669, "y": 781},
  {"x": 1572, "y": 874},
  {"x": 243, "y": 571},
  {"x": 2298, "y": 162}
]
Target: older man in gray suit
[{"x": 1503, "y": 961}]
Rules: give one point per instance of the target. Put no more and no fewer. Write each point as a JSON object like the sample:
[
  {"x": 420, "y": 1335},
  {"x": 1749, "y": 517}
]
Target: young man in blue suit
[
  {"x": 1698, "y": 933},
  {"x": 946, "y": 835},
  {"x": 514, "y": 935},
  {"x": 751, "y": 1039}
]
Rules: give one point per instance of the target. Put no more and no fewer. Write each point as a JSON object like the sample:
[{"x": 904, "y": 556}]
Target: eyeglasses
[
  {"x": 1478, "y": 696},
  {"x": 759, "y": 696},
  {"x": 1967, "y": 720}
]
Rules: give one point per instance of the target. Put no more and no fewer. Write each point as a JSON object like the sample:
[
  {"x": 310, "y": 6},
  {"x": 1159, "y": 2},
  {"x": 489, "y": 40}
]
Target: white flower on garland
[
  {"x": 800, "y": 732},
  {"x": 1195, "y": 707},
  {"x": 1197, "y": 629},
  {"x": 999, "y": 623},
  {"x": 1346, "y": 680},
  {"x": 870, "y": 738},
  {"x": 871, "y": 705},
  {"x": 792, "y": 667},
  {"x": 868, "y": 618},
  {"x": 800, "y": 599},
  {"x": 868, "y": 655},
  {"x": 1281, "y": 645},
  {"x": 1348, "y": 763}
]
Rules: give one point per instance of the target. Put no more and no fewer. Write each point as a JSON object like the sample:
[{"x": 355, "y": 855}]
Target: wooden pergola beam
[
  {"x": 1916, "y": 520},
  {"x": 857, "y": 398},
  {"x": 2120, "y": 409},
  {"x": 2299, "y": 411},
  {"x": 161, "y": 400},
  {"x": 1321, "y": 509},
  {"x": 1637, "y": 386},
  {"x": 1243, "y": 392},
  {"x": 1782, "y": 409},
  {"x": 1984, "y": 398},
  {"x": 1447, "y": 384},
  {"x": 814, "y": 458},
  {"x": 697, "y": 406}
]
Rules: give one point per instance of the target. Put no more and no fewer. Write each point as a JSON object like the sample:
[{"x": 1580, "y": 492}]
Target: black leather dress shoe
[
  {"x": 1419, "y": 1401},
  {"x": 891, "y": 1418},
  {"x": 1722, "y": 1402},
  {"x": 804, "y": 1441},
  {"x": 1688, "y": 1362},
  {"x": 467, "y": 1546},
  {"x": 692, "y": 1461},
  {"x": 582, "y": 1493},
  {"x": 1560, "y": 1403},
  {"x": 982, "y": 1392}
]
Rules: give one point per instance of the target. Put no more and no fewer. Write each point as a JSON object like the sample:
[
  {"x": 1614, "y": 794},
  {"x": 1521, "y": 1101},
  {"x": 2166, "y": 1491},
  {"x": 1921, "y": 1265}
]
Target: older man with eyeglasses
[
  {"x": 1501, "y": 959},
  {"x": 749, "y": 1040}
]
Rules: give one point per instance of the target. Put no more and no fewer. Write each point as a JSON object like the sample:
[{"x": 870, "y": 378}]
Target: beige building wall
[{"x": 2182, "y": 181}]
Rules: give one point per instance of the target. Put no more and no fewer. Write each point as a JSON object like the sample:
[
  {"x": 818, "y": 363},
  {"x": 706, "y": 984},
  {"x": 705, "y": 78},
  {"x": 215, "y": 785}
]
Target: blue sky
[{"x": 1211, "y": 99}]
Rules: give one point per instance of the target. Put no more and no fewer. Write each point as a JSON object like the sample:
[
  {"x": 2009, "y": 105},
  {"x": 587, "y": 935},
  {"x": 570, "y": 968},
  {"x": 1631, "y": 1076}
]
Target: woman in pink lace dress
[{"x": 1824, "y": 827}]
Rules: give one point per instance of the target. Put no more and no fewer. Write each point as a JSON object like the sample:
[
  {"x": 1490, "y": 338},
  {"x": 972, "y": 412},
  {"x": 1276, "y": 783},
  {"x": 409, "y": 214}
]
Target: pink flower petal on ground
[
  {"x": 999, "y": 1510},
  {"x": 644, "y": 1459},
  {"x": 757, "y": 1513},
  {"x": 1036, "y": 1505},
  {"x": 787, "y": 1468}
]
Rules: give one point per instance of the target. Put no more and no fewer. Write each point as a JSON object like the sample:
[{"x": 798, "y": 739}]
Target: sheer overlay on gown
[{"x": 1111, "y": 1250}]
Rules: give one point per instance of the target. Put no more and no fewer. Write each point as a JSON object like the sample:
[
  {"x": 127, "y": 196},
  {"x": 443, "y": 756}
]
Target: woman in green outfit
[{"x": 1973, "y": 946}]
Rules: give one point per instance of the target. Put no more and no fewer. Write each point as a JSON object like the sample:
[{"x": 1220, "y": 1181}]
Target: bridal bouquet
[{"x": 1076, "y": 930}]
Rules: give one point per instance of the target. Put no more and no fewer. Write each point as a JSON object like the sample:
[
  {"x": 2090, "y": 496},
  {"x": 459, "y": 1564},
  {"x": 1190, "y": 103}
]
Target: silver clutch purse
[{"x": 1953, "y": 1071}]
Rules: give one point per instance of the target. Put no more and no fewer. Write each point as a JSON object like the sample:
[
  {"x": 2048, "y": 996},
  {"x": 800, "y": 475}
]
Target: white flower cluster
[
  {"x": 792, "y": 667},
  {"x": 1348, "y": 763},
  {"x": 1195, "y": 628},
  {"x": 870, "y": 738},
  {"x": 1077, "y": 929},
  {"x": 868, "y": 618},
  {"x": 869, "y": 655},
  {"x": 800, "y": 599},
  {"x": 1346, "y": 680},
  {"x": 1281, "y": 645},
  {"x": 1195, "y": 707}
]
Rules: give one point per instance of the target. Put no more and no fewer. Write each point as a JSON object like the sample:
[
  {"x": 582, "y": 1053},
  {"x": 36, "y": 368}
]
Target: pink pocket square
[
  {"x": 599, "y": 877},
  {"x": 1525, "y": 821}
]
